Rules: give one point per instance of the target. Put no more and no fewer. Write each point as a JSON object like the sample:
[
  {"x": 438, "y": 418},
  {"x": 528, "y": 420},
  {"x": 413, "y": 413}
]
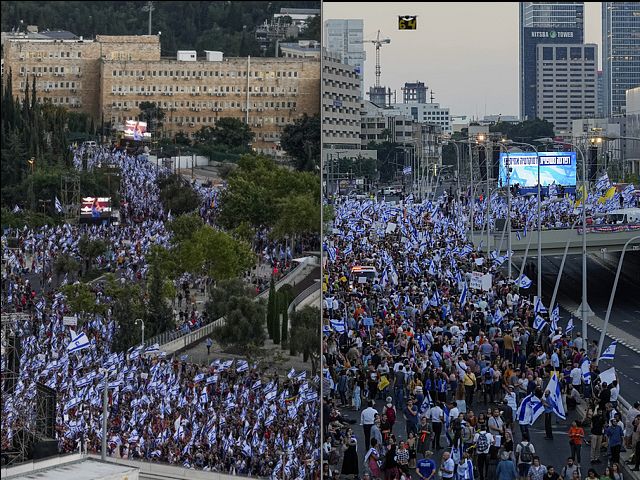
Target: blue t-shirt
[{"x": 426, "y": 467}]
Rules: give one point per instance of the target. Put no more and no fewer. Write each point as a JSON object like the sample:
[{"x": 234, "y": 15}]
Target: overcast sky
[{"x": 466, "y": 52}]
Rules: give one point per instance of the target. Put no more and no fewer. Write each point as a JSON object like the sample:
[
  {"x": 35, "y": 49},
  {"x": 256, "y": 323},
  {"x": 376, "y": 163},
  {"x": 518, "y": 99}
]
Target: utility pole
[{"x": 149, "y": 8}]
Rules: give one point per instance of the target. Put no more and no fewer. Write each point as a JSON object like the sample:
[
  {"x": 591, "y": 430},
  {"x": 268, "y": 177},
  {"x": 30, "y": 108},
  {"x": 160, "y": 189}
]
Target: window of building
[
  {"x": 576, "y": 53},
  {"x": 589, "y": 53},
  {"x": 547, "y": 53},
  {"x": 561, "y": 53}
]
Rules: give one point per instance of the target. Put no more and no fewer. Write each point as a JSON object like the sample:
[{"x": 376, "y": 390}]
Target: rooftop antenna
[{"x": 149, "y": 8}]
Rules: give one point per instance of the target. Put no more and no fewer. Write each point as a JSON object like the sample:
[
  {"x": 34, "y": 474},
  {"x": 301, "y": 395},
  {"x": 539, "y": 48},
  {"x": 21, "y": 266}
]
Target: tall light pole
[
  {"x": 149, "y": 8},
  {"x": 105, "y": 402},
  {"x": 508, "y": 171},
  {"x": 139, "y": 320},
  {"x": 612, "y": 296},
  {"x": 584, "y": 306}
]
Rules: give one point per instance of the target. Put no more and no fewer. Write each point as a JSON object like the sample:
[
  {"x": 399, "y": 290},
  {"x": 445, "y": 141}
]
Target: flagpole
[
  {"x": 104, "y": 414},
  {"x": 611, "y": 297}
]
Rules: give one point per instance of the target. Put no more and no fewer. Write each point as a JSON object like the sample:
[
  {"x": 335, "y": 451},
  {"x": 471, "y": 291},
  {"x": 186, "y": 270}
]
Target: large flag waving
[
  {"x": 523, "y": 281},
  {"x": 555, "y": 397},
  {"x": 463, "y": 295},
  {"x": 609, "y": 353},
  {"x": 78, "y": 343},
  {"x": 529, "y": 410}
]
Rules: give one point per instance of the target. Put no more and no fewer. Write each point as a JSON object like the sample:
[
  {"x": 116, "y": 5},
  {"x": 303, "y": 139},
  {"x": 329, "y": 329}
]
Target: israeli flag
[
  {"x": 432, "y": 268},
  {"x": 539, "y": 323},
  {"x": 338, "y": 325},
  {"x": 585, "y": 367},
  {"x": 498, "y": 317},
  {"x": 155, "y": 348},
  {"x": 555, "y": 317},
  {"x": 555, "y": 397},
  {"x": 243, "y": 366},
  {"x": 58, "y": 206},
  {"x": 523, "y": 281},
  {"x": 540, "y": 308},
  {"x": 415, "y": 268},
  {"x": 435, "y": 300},
  {"x": 529, "y": 410},
  {"x": 463, "y": 295},
  {"x": 407, "y": 170},
  {"x": 610, "y": 352},
  {"x": 569, "y": 328},
  {"x": 78, "y": 343},
  {"x": 518, "y": 236},
  {"x": 348, "y": 249}
]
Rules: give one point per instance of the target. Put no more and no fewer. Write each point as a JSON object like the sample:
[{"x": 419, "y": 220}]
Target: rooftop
[{"x": 61, "y": 469}]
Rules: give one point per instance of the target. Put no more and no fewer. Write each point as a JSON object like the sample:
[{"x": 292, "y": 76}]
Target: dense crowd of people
[
  {"x": 439, "y": 375},
  {"x": 228, "y": 416}
]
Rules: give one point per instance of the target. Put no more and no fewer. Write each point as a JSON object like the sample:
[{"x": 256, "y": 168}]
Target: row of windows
[
  {"x": 204, "y": 89},
  {"x": 204, "y": 73},
  {"x": 51, "y": 85},
  {"x": 49, "y": 54},
  {"x": 204, "y": 105},
  {"x": 50, "y": 69}
]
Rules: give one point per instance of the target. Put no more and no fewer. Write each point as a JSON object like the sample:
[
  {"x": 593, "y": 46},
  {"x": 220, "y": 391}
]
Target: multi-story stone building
[
  {"x": 340, "y": 104},
  {"x": 110, "y": 76}
]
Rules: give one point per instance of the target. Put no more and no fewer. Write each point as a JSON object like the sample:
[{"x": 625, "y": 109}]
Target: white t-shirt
[
  {"x": 489, "y": 441},
  {"x": 576, "y": 376},
  {"x": 436, "y": 414}
]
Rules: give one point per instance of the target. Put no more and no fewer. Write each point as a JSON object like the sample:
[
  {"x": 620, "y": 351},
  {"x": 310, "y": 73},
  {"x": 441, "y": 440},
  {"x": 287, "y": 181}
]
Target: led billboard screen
[{"x": 557, "y": 168}]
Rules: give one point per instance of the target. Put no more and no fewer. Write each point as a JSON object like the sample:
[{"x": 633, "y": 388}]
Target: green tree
[
  {"x": 153, "y": 114},
  {"x": 286, "y": 297},
  {"x": 126, "y": 306},
  {"x": 301, "y": 140},
  {"x": 244, "y": 325},
  {"x": 218, "y": 304},
  {"x": 82, "y": 300},
  {"x": 184, "y": 226},
  {"x": 305, "y": 335},
  {"x": 271, "y": 307},
  {"x": 231, "y": 133},
  {"x": 65, "y": 264},
  {"x": 158, "y": 316},
  {"x": 276, "y": 318},
  {"x": 177, "y": 196},
  {"x": 91, "y": 249}
]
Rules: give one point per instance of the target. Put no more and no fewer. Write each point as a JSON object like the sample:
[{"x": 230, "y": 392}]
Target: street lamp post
[
  {"x": 105, "y": 413},
  {"x": 139, "y": 320}
]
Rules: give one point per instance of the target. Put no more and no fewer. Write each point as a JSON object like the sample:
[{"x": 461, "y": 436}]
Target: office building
[
  {"x": 345, "y": 38},
  {"x": 600, "y": 95},
  {"x": 414, "y": 92},
  {"x": 340, "y": 104},
  {"x": 566, "y": 84},
  {"x": 110, "y": 76},
  {"x": 632, "y": 129},
  {"x": 620, "y": 53},
  {"x": 549, "y": 23},
  {"x": 431, "y": 113}
]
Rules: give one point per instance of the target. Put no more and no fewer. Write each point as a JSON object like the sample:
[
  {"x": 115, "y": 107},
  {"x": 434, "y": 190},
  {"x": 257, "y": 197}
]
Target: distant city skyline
[{"x": 457, "y": 51}]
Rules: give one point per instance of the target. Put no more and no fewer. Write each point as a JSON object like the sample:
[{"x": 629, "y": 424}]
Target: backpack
[
  {"x": 525, "y": 454},
  {"x": 483, "y": 443},
  {"x": 391, "y": 415}
]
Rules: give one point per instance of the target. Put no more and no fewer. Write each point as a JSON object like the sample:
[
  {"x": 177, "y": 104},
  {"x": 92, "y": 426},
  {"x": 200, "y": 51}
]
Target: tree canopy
[{"x": 301, "y": 140}]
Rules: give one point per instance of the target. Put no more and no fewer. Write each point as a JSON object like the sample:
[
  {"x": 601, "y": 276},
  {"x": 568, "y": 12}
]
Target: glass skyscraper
[
  {"x": 620, "y": 53},
  {"x": 344, "y": 37},
  {"x": 544, "y": 23}
]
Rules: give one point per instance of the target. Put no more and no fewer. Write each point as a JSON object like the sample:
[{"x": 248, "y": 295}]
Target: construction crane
[{"x": 378, "y": 43}]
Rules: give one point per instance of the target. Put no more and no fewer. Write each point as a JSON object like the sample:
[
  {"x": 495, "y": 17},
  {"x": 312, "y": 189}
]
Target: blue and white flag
[
  {"x": 58, "y": 206},
  {"x": 338, "y": 325},
  {"x": 16, "y": 209},
  {"x": 555, "y": 317},
  {"x": 523, "y": 281},
  {"x": 585, "y": 367},
  {"x": 78, "y": 343},
  {"x": 610, "y": 352},
  {"x": 348, "y": 249},
  {"x": 539, "y": 307},
  {"x": 463, "y": 295},
  {"x": 518, "y": 236},
  {"x": 407, "y": 170},
  {"x": 555, "y": 397},
  {"x": 539, "y": 323},
  {"x": 529, "y": 410},
  {"x": 498, "y": 317},
  {"x": 569, "y": 328}
]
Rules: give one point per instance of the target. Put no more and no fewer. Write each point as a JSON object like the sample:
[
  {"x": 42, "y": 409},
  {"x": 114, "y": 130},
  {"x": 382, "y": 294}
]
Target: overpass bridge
[{"x": 600, "y": 239}]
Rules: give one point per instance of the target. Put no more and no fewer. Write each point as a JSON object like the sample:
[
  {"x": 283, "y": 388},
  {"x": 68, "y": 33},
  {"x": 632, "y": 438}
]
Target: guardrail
[
  {"x": 302, "y": 296},
  {"x": 182, "y": 340}
]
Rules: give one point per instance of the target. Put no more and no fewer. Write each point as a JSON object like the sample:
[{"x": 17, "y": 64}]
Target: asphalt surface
[
  {"x": 625, "y": 312},
  {"x": 552, "y": 452}
]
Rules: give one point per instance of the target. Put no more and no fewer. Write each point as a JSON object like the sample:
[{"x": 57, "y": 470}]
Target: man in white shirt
[
  {"x": 615, "y": 393},
  {"x": 576, "y": 376},
  {"x": 436, "y": 415},
  {"x": 367, "y": 419},
  {"x": 483, "y": 441},
  {"x": 447, "y": 465}
]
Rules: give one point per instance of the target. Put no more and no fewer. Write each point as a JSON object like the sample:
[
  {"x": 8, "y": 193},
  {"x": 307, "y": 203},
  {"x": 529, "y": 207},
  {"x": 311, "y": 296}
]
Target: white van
[{"x": 623, "y": 216}]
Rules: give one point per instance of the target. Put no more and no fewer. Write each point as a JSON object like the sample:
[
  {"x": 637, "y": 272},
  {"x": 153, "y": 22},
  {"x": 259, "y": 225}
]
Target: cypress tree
[
  {"x": 285, "y": 316},
  {"x": 271, "y": 307},
  {"x": 276, "y": 319}
]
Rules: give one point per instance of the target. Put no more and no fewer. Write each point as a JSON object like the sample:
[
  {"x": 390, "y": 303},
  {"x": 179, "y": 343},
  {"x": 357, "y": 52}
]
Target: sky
[{"x": 467, "y": 53}]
